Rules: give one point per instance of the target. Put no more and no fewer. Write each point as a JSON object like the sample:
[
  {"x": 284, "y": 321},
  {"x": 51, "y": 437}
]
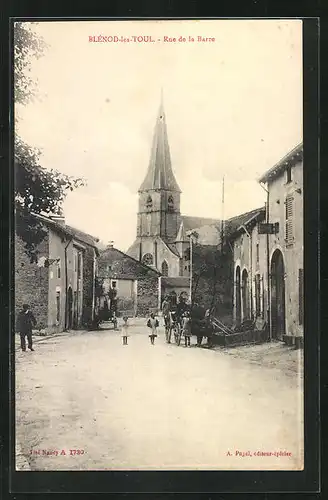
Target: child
[
  {"x": 124, "y": 330},
  {"x": 153, "y": 324},
  {"x": 186, "y": 328}
]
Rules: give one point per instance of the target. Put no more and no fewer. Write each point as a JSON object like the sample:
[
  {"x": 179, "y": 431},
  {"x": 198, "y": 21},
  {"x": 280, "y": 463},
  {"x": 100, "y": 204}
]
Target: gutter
[{"x": 268, "y": 264}]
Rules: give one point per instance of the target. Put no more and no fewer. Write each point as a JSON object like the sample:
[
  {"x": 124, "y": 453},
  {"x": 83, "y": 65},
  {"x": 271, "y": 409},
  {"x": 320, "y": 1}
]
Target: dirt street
[{"x": 153, "y": 407}]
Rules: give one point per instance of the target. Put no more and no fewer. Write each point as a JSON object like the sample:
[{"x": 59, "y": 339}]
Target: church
[{"x": 162, "y": 240}]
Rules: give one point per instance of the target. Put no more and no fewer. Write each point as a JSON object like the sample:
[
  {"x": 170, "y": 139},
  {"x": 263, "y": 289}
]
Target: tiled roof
[
  {"x": 113, "y": 255},
  {"x": 232, "y": 225},
  {"x": 160, "y": 174},
  {"x": 294, "y": 156},
  {"x": 68, "y": 230}
]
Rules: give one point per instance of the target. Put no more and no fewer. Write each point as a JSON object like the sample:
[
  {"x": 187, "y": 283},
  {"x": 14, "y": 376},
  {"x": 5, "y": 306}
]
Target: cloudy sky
[{"x": 233, "y": 108}]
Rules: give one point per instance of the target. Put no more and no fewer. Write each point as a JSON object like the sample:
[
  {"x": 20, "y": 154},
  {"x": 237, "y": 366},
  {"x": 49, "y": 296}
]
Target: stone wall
[
  {"x": 32, "y": 282},
  {"x": 88, "y": 284}
]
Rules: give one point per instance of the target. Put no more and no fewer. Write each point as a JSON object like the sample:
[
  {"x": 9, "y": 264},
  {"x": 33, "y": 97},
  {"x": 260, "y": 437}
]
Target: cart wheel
[{"x": 177, "y": 334}]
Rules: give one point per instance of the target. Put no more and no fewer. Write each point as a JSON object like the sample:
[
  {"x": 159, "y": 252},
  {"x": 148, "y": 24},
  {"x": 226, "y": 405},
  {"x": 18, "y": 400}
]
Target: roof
[
  {"x": 181, "y": 236},
  {"x": 160, "y": 174},
  {"x": 111, "y": 256},
  {"x": 179, "y": 282},
  {"x": 191, "y": 222},
  {"x": 61, "y": 227},
  {"x": 233, "y": 225},
  {"x": 294, "y": 156}
]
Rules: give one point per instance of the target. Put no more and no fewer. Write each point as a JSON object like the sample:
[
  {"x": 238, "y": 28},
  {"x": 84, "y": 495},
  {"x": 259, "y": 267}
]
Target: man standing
[{"x": 25, "y": 322}]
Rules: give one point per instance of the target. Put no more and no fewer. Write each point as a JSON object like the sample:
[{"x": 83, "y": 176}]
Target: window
[
  {"x": 289, "y": 174},
  {"x": 300, "y": 297},
  {"x": 257, "y": 253},
  {"x": 289, "y": 220},
  {"x": 57, "y": 307},
  {"x": 149, "y": 203},
  {"x": 257, "y": 295},
  {"x": 147, "y": 259},
  {"x": 58, "y": 269},
  {"x": 186, "y": 268},
  {"x": 170, "y": 204},
  {"x": 165, "y": 268}
]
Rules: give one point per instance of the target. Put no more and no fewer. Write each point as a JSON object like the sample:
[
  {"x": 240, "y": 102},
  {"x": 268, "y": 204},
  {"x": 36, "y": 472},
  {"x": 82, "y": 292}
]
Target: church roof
[
  {"x": 191, "y": 222},
  {"x": 160, "y": 174},
  {"x": 182, "y": 233}
]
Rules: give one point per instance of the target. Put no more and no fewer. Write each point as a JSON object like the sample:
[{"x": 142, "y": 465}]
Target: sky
[{"x": 233, "y": 108}]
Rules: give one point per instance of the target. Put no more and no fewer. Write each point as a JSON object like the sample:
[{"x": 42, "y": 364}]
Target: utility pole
[{"x": 222, "y": 215}]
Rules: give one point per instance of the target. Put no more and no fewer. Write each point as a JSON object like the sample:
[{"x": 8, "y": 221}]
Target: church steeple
[{"x": 160, "y": 174}]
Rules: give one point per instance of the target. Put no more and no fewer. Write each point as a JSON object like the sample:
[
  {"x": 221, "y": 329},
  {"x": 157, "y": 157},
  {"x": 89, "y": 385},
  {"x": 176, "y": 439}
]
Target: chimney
[
  {"x": 110, "y": 244},
  {"x": 60, "y": 219}
]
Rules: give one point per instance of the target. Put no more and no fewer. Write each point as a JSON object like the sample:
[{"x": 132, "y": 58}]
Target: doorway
[
  {"x": 238, "y": 297},
  {"x": 69, "y": 308},
  {"x": 245, "y": 295},
  {"x": 278, "y": 313}
]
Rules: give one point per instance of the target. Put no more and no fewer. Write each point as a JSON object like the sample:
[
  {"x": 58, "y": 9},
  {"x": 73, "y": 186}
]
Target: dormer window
[
  {"x": 170, "y": 204},
  {"x": 149, "y": 203}
]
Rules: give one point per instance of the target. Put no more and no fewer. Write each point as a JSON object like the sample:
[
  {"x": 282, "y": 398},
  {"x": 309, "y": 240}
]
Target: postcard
[{"x": 159, "y": 245}]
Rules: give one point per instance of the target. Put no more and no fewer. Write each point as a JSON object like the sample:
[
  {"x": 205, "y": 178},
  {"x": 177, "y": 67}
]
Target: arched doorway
[
  {"x": 165, "y": 268},
  {"x": 69, "y": 308},
  {"x": 238, "y": 298},
  {"x": 245, "y": 294},
  {"x": 278, "y": 314}
]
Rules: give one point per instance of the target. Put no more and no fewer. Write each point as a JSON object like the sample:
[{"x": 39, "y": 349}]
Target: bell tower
[{"x": 159, "y": 194}]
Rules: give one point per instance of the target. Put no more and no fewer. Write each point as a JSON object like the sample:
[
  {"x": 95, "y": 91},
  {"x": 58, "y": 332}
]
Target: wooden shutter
[
  {"x": 289, "y": 219},
  {"x": 300, "y": 296}
]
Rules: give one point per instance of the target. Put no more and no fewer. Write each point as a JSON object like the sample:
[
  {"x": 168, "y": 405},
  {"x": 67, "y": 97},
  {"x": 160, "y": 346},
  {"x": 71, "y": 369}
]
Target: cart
[{"x": 173, "y": 326}]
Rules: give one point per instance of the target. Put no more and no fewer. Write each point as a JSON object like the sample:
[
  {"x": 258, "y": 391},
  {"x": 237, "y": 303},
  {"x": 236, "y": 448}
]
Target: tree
[
  {"x": 212, "y": 278},
  {"x": 37, "y": 190}
]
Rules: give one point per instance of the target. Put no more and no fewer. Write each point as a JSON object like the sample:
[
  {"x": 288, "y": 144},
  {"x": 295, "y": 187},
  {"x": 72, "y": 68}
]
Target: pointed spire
[
  {"x": 160, "y": 174},
  {"x": 181, "y": 234}
]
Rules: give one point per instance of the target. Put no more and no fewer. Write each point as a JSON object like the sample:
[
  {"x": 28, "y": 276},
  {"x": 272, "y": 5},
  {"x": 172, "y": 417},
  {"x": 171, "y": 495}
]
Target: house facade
[
  {"x": 268, "y": 254},
  {"x": 249, "y": 270},
  {"x": 284, "y": 182},
  {"x": 137, "y": 285},
  {"x": 60, "y": 286}
]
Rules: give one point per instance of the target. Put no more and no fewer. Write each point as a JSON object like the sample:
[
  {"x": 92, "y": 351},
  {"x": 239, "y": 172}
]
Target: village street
[{"x": 153, "y": 407}]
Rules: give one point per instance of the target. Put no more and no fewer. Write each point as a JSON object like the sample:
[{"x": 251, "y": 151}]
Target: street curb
[{"x": 42, "y": 338}]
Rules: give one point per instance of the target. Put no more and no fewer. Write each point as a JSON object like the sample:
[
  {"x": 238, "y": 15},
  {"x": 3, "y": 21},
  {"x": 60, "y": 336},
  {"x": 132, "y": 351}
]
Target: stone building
[
  {"x": 284, "y": 182},
  {"x": 268, "y": 253},
  {"x": 60, "y": 286},
  {"x": 249, "y": 270},
  {"x": 136, "y": 283},
  {"x": 162, "y": 240}
]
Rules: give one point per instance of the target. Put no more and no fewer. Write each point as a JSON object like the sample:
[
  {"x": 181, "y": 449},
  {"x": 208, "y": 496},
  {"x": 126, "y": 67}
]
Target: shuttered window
[
  {"x": 289, "y": 234},
  {"x": 300, "y": 296}
]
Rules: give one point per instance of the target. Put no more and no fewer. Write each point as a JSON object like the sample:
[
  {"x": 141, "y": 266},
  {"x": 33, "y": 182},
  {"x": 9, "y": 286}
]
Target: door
[
  {"x": 245, "y": 295},
  {"x": 69, "y": 308},
  {"x": 278, "y": 314},
  {"x": 238, "y": 297}
]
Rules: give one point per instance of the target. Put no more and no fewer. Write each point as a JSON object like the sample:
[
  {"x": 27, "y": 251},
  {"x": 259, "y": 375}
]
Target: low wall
[{"x": 241, "y": 338}]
